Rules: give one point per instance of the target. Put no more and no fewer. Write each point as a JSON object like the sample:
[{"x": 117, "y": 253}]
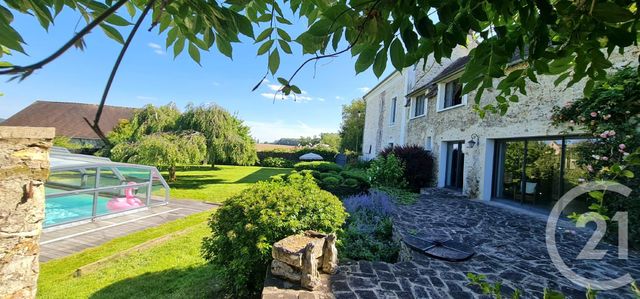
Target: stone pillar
[{"x": 24, "y": 167}]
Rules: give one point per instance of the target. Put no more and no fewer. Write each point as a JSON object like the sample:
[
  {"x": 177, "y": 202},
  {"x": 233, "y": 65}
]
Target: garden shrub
[
  {"x": 418, "y": 164},
  {"x": 294, "y": 155},
  {"x": 322, "y": 166},
  {"x": 246, "y": 226},
  {"x": 387, "y": 172},
  {"x": 331, "y": 181},
  {"x": 367, "y": 234},
  {"x": 611, "y": 115},
  {"x": 276, "y": 162}
]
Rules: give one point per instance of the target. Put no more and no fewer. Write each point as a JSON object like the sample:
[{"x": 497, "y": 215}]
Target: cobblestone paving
[{"x": 510, "y": 248}]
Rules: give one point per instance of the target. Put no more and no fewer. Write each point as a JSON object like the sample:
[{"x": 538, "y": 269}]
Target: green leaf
[
  {"x": 295, "y": 89},
  {"x": 264, "y": 34},
  {"x": 178, "y": 47},
  {"x": 131, "y": 9},
  {"x": 283, "y": 20},
  {"x": 284, "y": 46},
  {"x": 224, "y": 46},
  {"x": 283, "y": 81},
  {"x": 320, "y": 28},
  {"x": 117, "y": 20},
  {"x": 380, "y": 63},
  {"x": 274, "y": 61},
  {"x": 365, "y": 59},
  {"x": 611, "y": 12},
  {"x": 112, "y": 33},
  {"x": 397, "y": 54},
  {"x": 194, "y": 53},
  {"x": 596, "y": 195},
  {"x": 265, "y": 47},
  {"x": 244, "y": 25},
  {"x": 627, "y": 173},
  {"x": 284, "y": 35}
]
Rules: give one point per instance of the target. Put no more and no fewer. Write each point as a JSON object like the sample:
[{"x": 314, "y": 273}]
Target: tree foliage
[
  {"x": 352, "y": 125},
  {"x": 228, "y": 139},
  {"x": 148, "y": 120},
  {"x": 570, "y": 39},
  {"x": 164, "y": 150}
]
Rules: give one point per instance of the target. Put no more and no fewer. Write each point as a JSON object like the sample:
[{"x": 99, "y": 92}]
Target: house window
[
  {"x": 369, "y": 149},
  {"x": 452, "y": 93},
  {"x": 418, "y": 108},
  {"x": 427, "y": 144},
  {"x": 390, "y": 145},
  {"x": 392, "y": 117}
]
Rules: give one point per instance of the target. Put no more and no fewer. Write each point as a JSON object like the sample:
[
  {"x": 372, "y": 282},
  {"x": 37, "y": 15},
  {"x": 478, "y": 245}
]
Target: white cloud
[
  {"x": 271, "y": 131},
  {"x": 364, "y": 89},
  {"x": 156, "y": 48},
  {"x": 339, "y": 98},
  {"x": 321, "y": 99},
  {"x": 274, "y": 87}
]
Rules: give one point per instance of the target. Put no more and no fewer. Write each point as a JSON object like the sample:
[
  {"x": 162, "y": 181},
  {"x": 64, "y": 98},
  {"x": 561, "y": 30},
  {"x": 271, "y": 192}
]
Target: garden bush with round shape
[
  {"x": 387, "y": 172},
  {"x": 276, "y": 162},
  {"x": 246, "y": 226}
]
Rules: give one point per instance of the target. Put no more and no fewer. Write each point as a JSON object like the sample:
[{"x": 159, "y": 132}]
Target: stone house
[
  {"x": 519, "y": 157},
  {"x": 68, "y": 119}
]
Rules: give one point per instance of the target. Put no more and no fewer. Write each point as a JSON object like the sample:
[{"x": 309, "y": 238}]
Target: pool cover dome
[{"x": 83, "y": 187}]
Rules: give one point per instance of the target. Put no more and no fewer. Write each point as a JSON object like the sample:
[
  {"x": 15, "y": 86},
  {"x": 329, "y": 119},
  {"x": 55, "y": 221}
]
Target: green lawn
[
  {"x": 170, "y": 269},
  {"x": 218, "y": 184}
]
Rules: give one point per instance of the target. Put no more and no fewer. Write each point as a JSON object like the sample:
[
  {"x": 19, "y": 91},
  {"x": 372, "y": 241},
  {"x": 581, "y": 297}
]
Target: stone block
[
  {"x": 290, "y": 250},
  {"x": 285, "y": 271}
]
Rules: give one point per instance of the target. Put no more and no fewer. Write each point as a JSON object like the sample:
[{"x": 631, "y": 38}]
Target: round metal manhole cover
[{"x": 444, "y": 249}]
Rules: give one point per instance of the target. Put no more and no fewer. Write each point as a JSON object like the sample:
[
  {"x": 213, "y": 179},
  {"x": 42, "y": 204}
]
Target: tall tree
[
  {"x": 228, "y": 139},
  {"x": 330, "y": 139},
  {"x": 352, "y": 127},
  {"x": 570, "y": 39},
  {"x": 148, "y": 120},
  {"x": 163, "y": 150}
]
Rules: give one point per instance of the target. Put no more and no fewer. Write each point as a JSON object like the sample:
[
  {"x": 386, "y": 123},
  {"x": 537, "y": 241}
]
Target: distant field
[{"x": 262, "y": 147}]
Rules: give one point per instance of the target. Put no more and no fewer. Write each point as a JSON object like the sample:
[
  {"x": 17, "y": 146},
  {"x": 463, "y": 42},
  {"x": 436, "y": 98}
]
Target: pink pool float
[{"x": 129, "y": 201}]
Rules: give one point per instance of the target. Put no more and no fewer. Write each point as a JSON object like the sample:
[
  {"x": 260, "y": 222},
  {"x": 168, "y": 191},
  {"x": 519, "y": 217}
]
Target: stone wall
[
  {"x": 24, "y": 167},
  {"x": 379, "y": 131},
  {"x": 530, "y": 117}
]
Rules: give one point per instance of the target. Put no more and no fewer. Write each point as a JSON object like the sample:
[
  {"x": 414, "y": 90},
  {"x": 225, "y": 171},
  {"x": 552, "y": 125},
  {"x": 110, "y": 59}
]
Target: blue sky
[{"x": 150, "y": 75}]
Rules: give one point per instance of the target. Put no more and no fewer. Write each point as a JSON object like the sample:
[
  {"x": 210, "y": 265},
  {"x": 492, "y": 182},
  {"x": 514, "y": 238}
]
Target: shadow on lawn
[
  {"x": 262, "y": 174},
  {"x": 193, "y": 282},
  {"x": 194, "y": 181}
]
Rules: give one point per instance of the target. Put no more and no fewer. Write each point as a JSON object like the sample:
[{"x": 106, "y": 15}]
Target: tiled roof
[{"x": 68, "y": 118}]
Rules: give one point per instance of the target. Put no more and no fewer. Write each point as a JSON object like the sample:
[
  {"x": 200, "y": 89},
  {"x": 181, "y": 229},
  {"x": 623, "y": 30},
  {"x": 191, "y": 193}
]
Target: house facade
[{"x": 518, "y": 157}]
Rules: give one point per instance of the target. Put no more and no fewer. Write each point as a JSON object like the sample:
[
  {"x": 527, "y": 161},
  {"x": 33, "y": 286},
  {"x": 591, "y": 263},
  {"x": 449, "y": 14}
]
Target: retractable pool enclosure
[{"x": 83, "y": 187}]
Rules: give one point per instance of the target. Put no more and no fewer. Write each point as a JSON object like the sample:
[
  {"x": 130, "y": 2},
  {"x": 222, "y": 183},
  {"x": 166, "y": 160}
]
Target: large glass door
[
  {"x": 530, "y": 171},
  {"x": 455, "y": 165}
]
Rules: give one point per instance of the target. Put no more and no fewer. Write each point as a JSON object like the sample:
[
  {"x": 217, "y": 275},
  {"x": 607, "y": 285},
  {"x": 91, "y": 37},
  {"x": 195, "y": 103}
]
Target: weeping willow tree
[
  {"x": 165, "y": 150},
  {"x": 228, "y": 139},
  {"x": 148, "y": 120}
]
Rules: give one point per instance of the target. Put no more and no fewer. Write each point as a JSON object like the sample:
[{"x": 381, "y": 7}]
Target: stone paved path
[{"x": 510, "y": 248}]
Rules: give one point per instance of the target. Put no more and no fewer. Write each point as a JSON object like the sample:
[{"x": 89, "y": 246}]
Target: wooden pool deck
[{"x": 57, "y": 242}]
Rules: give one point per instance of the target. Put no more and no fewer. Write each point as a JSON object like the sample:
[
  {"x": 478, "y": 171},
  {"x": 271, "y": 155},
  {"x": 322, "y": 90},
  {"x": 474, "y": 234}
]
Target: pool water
[{"x": 71, "y": 207}]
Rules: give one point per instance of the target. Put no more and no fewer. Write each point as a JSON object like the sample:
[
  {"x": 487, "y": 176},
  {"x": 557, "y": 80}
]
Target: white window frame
[
  {"x": 442, "y": 94},
  {"x": 428, "y": 144},
  {"x": 414, "y": 103},
  {"x": 394, "y": 111}
]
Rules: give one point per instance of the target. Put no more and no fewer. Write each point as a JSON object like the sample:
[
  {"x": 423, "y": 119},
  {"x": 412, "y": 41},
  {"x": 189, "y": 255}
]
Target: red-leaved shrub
[{"x": 418, "y": 164}]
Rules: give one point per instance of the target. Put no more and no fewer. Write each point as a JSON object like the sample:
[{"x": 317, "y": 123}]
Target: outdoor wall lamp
[{"x": 474, "y": 140}]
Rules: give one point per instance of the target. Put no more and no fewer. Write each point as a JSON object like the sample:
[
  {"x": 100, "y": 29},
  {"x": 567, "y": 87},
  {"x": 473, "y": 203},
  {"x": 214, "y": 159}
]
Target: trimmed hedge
[
  {"x": 327, "y": 154},
  {"x": 322, "y": 166},
  {"x": 246, "y": 226}
]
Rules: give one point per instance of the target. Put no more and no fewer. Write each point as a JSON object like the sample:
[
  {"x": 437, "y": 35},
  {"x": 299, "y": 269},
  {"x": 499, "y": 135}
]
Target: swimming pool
[
  {"x": 71, "y": 207},
  {"x": 83, "y": 187}
]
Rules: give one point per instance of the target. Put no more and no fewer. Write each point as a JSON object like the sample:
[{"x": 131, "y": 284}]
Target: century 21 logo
[{"x": 589, "y": 251}]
